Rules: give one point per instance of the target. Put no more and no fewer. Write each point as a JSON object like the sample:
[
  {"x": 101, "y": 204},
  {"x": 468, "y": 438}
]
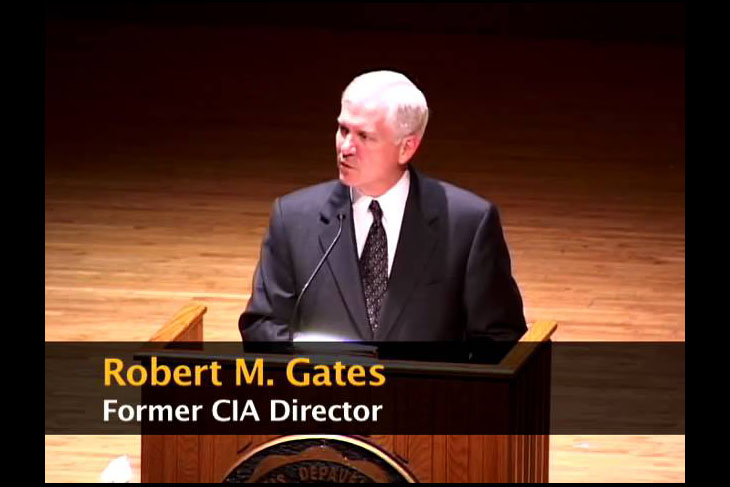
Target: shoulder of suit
[
  {"x": 311, "y": 198},
  {"x": 460, "y": 200}
]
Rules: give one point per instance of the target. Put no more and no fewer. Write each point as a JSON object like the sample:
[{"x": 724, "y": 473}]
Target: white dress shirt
[{"x": 393, "y": 204}]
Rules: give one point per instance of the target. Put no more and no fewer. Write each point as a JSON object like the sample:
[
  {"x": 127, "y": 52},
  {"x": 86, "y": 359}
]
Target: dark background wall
[
  {"x": 652, "y": 22},
  {"x": 145, "y": 83}
]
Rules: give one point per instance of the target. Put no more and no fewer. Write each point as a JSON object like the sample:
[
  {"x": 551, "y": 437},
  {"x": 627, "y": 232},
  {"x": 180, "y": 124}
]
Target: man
[{"x": 412, "y": 258}]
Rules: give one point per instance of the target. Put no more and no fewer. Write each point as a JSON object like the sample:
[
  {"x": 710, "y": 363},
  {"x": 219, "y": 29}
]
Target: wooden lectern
[{"x": 424, "y": 458}]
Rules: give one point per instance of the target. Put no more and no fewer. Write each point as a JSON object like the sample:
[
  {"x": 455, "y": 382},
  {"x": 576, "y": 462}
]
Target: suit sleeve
[
  {"x": 273, "y": 294},
  {"x": 492, "y": 300}
]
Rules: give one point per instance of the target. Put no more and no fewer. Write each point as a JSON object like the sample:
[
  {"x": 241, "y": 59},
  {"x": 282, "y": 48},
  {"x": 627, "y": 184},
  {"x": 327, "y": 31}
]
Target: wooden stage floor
[{"x": 166, "y": 147}]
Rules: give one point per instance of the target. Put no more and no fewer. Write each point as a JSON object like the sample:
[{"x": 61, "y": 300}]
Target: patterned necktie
[{"x": 374, "y": 266}]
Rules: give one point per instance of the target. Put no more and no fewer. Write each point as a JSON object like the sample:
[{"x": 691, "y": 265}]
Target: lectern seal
[{"x": 318, "y": 459}]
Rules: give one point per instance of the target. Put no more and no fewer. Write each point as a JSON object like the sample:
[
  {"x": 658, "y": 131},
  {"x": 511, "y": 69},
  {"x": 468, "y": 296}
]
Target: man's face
[{"x": 367, "y": 157}]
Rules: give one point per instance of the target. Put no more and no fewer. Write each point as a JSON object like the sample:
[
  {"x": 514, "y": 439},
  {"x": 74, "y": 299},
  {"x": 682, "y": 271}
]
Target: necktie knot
[{"x": 376, "y": 211}]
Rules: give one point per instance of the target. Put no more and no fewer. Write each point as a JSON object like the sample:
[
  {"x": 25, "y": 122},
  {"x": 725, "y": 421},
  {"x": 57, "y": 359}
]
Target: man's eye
[
  {"x": 343, "y": 130},
  {"x": 363, "y": 135}
]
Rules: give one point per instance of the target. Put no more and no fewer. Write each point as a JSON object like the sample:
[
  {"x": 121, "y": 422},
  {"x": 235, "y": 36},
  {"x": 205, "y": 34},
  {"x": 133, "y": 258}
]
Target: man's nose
[{"x": 347, "y": 148}]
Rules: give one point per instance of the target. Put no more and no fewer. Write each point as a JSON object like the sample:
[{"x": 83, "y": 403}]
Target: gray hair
[{"x": 407, "y": 111}]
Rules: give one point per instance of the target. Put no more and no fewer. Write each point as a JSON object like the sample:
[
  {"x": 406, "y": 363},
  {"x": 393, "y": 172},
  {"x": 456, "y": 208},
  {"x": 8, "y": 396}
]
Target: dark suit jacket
[{"x": 450, "y": 280}]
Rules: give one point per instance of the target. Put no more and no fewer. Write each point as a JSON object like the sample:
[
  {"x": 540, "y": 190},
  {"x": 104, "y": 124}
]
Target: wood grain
[
  {"x": 537, "y": 333},
  {"x": 185, "y": 326}
]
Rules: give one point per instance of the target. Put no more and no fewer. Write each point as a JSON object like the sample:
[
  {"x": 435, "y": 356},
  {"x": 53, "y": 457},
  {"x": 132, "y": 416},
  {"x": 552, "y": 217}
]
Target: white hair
[{"x": 407, "y": 111}]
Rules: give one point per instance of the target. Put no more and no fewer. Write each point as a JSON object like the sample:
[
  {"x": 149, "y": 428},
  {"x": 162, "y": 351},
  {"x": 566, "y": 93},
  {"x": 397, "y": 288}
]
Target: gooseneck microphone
[{"x": 295, "y": 312}]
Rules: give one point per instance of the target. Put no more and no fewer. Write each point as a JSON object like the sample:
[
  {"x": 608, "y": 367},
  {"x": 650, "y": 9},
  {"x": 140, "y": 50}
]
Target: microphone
[{"x": 295, "y": 312}]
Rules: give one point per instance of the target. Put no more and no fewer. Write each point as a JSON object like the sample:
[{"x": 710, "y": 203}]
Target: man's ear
[{"x": 407, "y": 148}]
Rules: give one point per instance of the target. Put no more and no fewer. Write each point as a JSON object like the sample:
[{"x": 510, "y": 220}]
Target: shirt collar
[{"x": 391, "y": 202}]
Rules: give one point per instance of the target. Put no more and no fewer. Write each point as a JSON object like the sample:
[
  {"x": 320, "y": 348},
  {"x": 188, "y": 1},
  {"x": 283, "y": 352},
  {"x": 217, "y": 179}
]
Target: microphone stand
[{"x": 293, "y": 321}]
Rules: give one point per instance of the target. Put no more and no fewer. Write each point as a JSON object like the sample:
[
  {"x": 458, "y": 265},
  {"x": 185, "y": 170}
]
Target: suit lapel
[
  {"x": 416, "y": 243},
  {"x": 343, "y": 262}
]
